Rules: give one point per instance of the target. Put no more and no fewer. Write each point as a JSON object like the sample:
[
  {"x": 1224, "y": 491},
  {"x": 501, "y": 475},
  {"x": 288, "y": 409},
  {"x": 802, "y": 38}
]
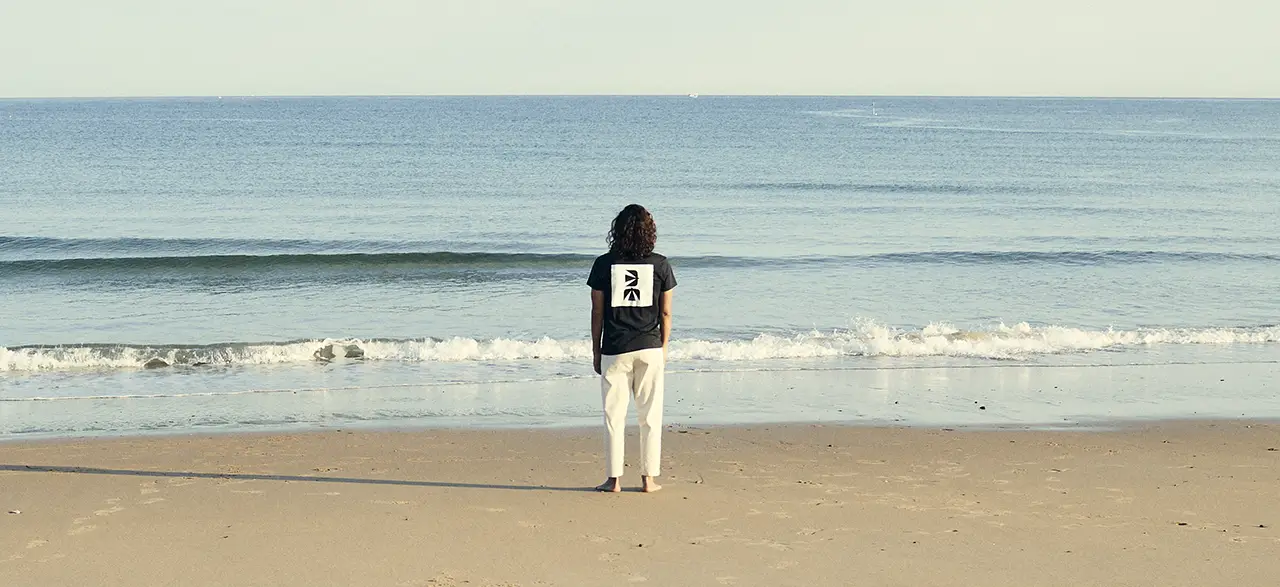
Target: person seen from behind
[{"x": 631, "y": 291}]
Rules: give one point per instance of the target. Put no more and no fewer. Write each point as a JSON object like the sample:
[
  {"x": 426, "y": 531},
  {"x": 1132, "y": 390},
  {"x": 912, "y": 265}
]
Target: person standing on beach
[{"x": 630, "y": 328}]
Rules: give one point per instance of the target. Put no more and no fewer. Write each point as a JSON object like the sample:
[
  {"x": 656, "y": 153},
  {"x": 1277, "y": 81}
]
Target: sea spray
[{"x": 866, "y": 339}]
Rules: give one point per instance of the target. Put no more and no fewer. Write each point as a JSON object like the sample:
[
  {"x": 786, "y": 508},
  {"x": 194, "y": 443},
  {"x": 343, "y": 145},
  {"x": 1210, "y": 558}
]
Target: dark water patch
[
  {"x": 521, "y": 264},
  {"x": 1088, "y": 258},
  {"x": 325, "y": 262},
  {"x": 18, "y": 248}
]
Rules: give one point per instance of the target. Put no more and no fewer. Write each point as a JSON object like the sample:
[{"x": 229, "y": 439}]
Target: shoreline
[
  {"x": 1027, "y": 396},
  {"x": 1091, "y": 427},
  {"x": 1167, "y": 504}
]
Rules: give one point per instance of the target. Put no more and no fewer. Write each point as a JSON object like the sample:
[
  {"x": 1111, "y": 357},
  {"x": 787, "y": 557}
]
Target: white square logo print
[{"x": 632, "y": 285}]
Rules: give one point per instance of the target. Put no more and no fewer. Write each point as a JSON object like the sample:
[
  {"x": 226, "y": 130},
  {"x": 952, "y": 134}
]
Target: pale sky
[{"x": 1203, "y": 48}]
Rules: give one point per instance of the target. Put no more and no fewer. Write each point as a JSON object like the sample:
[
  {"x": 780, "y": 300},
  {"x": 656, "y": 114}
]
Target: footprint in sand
[
  {"x": 51, "y": 558},
  {"x": 769, "y": 543},
  {"x": 783, "y": 565},
  {"x": 527, "y": 524},
  {"x": 708, "y": 539},
  {"x": 37, "y": 543},
  {"x": 727, "y": 580},
  {"x": 153, "y": 500},
  {"x": 1245, "y": 539},
  {"x": 78, "y": 530},
  {"x": 107, "y": 512}
]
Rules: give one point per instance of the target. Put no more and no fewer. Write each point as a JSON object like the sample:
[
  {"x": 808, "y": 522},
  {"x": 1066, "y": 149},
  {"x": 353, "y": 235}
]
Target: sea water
[{"x": 304, "y": 262}]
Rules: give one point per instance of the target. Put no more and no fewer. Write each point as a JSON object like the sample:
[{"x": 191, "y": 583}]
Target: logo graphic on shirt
[
  {"x": 632, "y": 286},
  {"x": 631, "y": 292}
]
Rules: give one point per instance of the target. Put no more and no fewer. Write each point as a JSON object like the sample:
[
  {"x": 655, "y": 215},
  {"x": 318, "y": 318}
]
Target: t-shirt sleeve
[
  {"x": 668, "y": 276},
  {"x": 599, "y": 277}
]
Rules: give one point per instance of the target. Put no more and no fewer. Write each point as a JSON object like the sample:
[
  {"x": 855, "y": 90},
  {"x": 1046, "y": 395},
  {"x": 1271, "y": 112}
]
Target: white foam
[
  {"x": 869, "y": 339},
  {"x": 469, "y": 349}
]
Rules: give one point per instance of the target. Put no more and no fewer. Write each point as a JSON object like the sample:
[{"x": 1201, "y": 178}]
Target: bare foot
[
  {"x": 650, "y": 486},
  {"x": 610, "y": 485}
]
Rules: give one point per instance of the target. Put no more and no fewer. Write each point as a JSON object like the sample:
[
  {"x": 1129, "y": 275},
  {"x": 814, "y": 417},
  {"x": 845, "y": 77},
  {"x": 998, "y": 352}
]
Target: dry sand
[{"x": 1165, "y": 504}]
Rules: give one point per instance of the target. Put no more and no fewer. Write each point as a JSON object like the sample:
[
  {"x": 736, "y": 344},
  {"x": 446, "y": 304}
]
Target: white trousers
[{"x": 636, "y": 374}]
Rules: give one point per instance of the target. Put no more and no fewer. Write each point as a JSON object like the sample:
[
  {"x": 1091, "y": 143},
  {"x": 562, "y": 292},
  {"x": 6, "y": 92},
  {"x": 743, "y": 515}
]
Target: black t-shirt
[{"x": 632, "y": 297}]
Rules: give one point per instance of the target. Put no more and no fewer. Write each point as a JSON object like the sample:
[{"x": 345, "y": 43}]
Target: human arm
[
  {"x": 597, "y": 326},
  {"x": 668, "y": 283},
  {"x": 666, "y": 322}
]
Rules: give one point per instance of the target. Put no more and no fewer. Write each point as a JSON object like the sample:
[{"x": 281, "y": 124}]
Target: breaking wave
[{"x": 1017, "y": 342}]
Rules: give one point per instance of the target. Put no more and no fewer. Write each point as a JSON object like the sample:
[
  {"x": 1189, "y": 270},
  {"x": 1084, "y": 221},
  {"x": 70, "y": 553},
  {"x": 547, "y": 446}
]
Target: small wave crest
[
  {"x": 293, "y": 261},
  {"x": 497, "y": 264},
  {"x": 878, "y": 188},
  {"x": 868, "y": 339}
]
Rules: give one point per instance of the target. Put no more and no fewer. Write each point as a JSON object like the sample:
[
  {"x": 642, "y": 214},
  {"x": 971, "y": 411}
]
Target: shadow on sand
[{"x": 260, "y": 477}]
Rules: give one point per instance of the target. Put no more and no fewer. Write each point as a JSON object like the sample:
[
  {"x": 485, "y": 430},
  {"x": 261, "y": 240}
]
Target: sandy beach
[{"x": 1155, "y": 504}]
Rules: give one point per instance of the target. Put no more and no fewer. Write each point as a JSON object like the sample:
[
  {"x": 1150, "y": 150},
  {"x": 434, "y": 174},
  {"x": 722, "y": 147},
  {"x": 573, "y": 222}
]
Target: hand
[{"x": 596, "y": 363}]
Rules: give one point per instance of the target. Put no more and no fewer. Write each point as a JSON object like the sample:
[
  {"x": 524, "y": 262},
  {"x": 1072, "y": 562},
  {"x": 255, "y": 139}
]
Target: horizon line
[{"x": 648, "y": 95}]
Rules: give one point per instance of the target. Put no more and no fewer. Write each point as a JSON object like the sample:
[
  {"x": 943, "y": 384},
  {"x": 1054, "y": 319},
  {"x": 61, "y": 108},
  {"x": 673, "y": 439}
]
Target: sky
[{"x": 1135, "y": 48}]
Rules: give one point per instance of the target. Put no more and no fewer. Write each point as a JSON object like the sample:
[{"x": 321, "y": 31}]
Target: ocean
[{"x": 235, "y": 264}]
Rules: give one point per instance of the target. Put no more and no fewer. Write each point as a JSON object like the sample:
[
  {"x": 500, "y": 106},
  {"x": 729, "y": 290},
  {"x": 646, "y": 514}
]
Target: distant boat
[
  {"x": 693, "y": 95},
  {"x": 874, "y": 112}
]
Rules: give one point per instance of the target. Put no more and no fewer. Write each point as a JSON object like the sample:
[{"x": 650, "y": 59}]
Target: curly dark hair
[{"x": 633, "y": 234}]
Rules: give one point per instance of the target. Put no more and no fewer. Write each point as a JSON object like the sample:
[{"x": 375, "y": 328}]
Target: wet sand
[{"x": 1165, "y": 504}]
